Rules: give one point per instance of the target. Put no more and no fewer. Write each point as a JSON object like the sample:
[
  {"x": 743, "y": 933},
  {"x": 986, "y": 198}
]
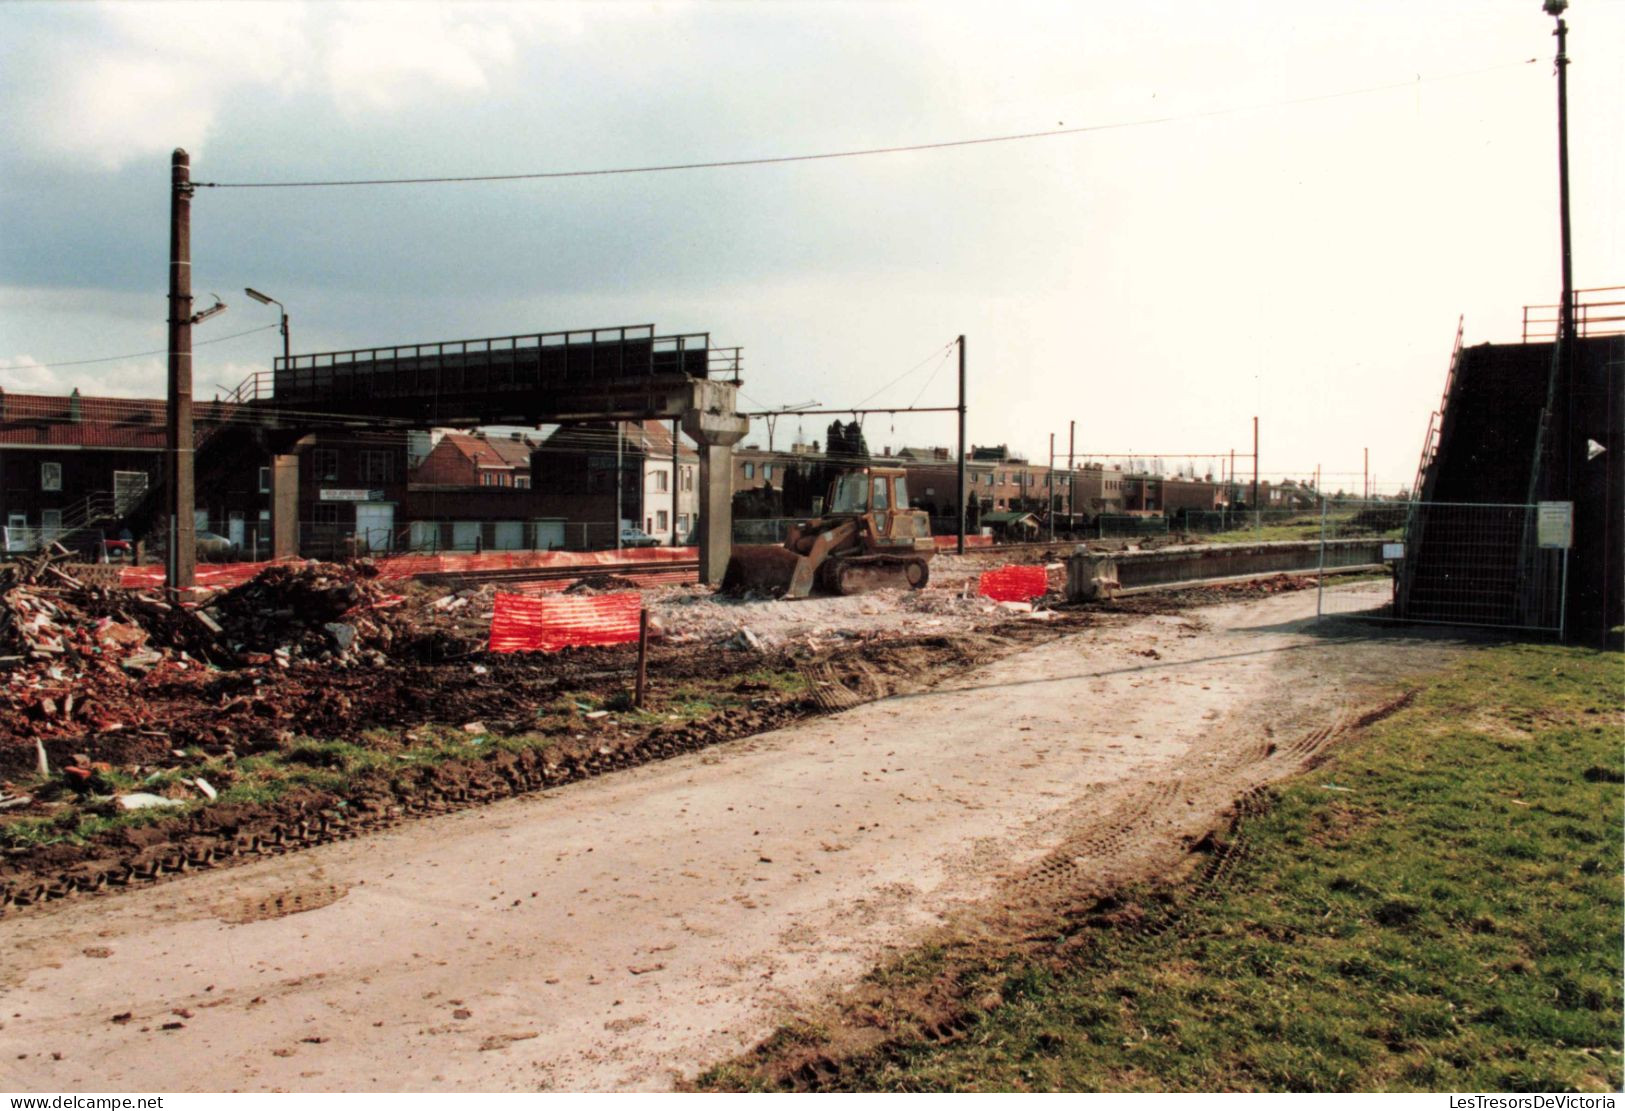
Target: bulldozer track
[{"x": 529, "y": 772}]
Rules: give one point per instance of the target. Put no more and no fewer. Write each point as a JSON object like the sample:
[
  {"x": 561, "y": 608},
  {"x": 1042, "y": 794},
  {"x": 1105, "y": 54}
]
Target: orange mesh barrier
[
  {"x": 527, "y": 623},
  {"x": 1014, "y": 583}
]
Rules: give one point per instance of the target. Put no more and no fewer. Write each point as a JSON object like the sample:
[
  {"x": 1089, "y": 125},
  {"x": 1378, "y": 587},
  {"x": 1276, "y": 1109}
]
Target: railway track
[{"x": 545, "y": 579}]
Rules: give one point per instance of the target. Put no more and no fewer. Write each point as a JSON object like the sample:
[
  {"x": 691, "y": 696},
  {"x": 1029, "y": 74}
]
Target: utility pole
[
  {"x": 1255, "y": 465},
  {"x": 180, "y": 565},
  {"x": 1071, "y": 476},
  {"x": 620, "y": 439},
  {"x": 1565, "y": 312},
  {"x": 1049, "y": 481},
  {"x": 963, "y": 492},
  {"x": 676, "y": 478}
]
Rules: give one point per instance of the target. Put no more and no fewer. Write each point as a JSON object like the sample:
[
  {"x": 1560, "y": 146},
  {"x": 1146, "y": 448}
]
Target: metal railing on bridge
[{"x": 592, "y": 357}]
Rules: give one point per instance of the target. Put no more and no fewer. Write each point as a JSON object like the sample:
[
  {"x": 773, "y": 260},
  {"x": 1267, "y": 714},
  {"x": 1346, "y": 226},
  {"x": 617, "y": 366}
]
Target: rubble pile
[{"x": 313, "y": 611}]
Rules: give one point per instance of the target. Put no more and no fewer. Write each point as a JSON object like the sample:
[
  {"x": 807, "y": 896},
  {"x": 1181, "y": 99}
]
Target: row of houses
[{"x": 79, "y": 466}]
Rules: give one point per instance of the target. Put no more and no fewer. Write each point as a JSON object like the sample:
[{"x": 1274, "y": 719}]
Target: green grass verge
[
  {"x": 334, "y": 766},
  {"x": 1438, "y": 908}
]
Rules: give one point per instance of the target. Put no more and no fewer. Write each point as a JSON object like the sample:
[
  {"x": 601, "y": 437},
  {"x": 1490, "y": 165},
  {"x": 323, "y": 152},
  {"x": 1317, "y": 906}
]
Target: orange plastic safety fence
[{"x": 546, "y": 623}]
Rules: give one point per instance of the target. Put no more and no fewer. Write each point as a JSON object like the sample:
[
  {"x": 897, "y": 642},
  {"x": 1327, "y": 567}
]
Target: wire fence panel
[{"x": 1446, "y": 564}]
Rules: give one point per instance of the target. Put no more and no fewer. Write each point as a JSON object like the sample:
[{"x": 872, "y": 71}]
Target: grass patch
[
  {"x": 1452, "y": 922},
  {"x": 334, "y": 767}
]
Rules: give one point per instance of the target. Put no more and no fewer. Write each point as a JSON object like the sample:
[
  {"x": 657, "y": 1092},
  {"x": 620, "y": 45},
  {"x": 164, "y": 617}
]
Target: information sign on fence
[{"x": 1554, "y": 524}]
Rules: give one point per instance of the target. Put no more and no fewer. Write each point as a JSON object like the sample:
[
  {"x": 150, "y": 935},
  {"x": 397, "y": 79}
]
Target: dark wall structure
[{"x": 1492, "y": 450}]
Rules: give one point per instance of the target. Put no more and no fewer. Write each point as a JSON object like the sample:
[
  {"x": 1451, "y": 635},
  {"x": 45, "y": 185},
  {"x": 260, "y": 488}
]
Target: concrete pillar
[
  {"x": 711, "y": 422},
  {"x": 284, "y": 506}
]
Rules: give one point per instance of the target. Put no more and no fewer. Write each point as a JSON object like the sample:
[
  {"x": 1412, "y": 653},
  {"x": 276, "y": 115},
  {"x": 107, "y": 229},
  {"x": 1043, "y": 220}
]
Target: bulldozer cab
[
  {"x": 879, "y": 494},
  {"x": 873, "y": 489},
  {"x": 866, "y": 536}
]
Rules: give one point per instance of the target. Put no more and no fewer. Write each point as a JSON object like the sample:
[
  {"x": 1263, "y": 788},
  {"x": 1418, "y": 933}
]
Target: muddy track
[
  {"x": 220, "y": 836},
  {"x": 1050, "y": 909}
]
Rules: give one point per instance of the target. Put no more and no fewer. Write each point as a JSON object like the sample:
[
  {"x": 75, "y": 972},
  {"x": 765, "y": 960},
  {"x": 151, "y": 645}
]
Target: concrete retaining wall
[{"x": 1090, "y": 573}]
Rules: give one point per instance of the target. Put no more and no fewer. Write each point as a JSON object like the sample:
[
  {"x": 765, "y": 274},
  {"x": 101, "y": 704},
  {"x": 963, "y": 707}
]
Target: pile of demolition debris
[{"x": 78, "y": 656}]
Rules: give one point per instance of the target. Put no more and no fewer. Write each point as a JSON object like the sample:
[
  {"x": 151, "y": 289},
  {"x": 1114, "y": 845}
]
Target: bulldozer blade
[
  {"x": 760, "y": 569},
  {"x": 801, "y": 582}
]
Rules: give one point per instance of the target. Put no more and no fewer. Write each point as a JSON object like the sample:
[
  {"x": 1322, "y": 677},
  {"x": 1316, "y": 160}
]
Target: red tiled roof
[
  {"x": 107, "y": 422},
  {"x": 498, "y": 451}
]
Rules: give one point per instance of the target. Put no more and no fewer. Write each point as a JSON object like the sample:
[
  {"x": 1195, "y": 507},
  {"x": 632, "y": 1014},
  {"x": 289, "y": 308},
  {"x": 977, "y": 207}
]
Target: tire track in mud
[{"x": 1070, "y": 891}]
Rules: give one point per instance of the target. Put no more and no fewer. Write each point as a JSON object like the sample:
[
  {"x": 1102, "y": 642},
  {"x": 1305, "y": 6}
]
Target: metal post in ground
[
  {"x": 1072, "y": 476},
  {"x": 1320, "y": 575},
  {"x": 1258, "y": 515},
  {"x": 963, "y": 492},
  {"x": 1563, "y": 602},
  {"x": 1049, "y": 480}
]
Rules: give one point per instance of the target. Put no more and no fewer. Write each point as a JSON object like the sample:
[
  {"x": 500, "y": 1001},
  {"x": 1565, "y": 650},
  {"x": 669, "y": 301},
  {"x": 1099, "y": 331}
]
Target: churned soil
[{"x": 631, "y": 929}]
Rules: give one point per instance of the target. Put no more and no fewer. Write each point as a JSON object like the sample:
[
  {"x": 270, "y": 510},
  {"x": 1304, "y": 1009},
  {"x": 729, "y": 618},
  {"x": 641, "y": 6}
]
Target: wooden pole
[{"x": 643, "y": 658}]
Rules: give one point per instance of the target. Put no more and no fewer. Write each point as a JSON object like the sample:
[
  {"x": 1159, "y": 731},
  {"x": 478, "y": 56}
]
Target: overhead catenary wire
[
  {"x": 865, "y": 152},
  {"x": 142, "y": 354}
]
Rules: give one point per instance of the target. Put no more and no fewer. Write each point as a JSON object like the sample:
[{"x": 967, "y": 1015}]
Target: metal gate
[{"x": 1450, "y": 563}]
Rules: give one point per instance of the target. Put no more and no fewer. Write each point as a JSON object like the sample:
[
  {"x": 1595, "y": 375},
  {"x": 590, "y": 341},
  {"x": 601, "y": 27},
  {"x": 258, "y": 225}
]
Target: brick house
[
  {"x": 71, "y": 466},
  {"x": 574, "y": 475},
  {"x": 352, "y": 489},
  {"x": 476, "y": 459},
  {"x": 1099, "y": 489}
]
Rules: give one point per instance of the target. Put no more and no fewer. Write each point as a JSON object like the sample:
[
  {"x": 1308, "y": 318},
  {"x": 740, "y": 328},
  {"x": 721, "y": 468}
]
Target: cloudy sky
[{"x": 1298, "y": 204}]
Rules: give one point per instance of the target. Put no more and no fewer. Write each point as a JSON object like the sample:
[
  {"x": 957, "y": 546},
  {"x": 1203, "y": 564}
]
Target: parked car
[
  {"x": 211, "y": 548},
  {"x": 634, "y": 537},
  {"x": 215, "y": 548}
]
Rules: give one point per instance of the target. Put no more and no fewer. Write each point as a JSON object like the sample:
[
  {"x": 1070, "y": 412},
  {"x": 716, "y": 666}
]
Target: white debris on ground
[{"x": 694, "y": 615}]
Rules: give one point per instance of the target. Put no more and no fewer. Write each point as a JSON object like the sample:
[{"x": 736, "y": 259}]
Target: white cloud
[
  {"x": 135, "y": 378},
  {"x": 118, "y": 82}
]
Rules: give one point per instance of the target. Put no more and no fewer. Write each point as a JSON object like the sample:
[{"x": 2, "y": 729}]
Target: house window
[
  {"x": 662, "y": 482},
  {"x": 50, "y": 521},
  {"x": 521, "y": 481},
  {"x": 265, "y": 480},
  {"x": 750, "y": 470},
  {"x": 661, "y": 520},
  {"x": 767, "y": 470},
  {"x": 128, "y": 489},
  {"x": 324, "y": 464},
  {"x": 325, "y": 513},
  {"x": 682, "y": 524},
  {"x": 50, "y": 476},
  {"x": 688, "y": 478},
  {"x": 486, "y": 478},
  {"x": 377, "y": 466}
]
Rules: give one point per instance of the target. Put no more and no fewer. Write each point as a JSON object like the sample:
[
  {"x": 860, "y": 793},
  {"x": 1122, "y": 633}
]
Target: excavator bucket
[{"x": 760, "y": 569}]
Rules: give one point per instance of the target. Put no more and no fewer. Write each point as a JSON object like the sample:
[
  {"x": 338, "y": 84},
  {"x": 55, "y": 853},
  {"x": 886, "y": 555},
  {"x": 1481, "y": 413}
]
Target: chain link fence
[{"x": 1447, "y": 564}]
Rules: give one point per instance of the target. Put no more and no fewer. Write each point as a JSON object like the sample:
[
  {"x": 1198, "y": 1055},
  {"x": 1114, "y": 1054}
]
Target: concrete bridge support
[
  {"x": 284, "y": 506},
  {"x": 711, "y": 422}
]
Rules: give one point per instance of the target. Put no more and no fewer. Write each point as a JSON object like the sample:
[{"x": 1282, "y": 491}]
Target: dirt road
[{"x": 626, "y": 931}]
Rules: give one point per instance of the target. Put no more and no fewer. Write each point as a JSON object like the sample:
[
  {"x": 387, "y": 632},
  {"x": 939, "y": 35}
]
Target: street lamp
[{"x": 264, "y": 300}]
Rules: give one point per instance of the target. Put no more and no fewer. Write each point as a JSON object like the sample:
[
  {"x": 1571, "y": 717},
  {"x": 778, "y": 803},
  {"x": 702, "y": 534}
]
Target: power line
[
  {"x": 902, "y": 376},
  {"x": 142, "y": 354},
  {"x": 733, "y": 163}
]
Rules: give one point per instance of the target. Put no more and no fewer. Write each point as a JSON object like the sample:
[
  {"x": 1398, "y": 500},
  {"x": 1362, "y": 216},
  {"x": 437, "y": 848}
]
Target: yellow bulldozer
[{"x": 867, "y": 537}]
